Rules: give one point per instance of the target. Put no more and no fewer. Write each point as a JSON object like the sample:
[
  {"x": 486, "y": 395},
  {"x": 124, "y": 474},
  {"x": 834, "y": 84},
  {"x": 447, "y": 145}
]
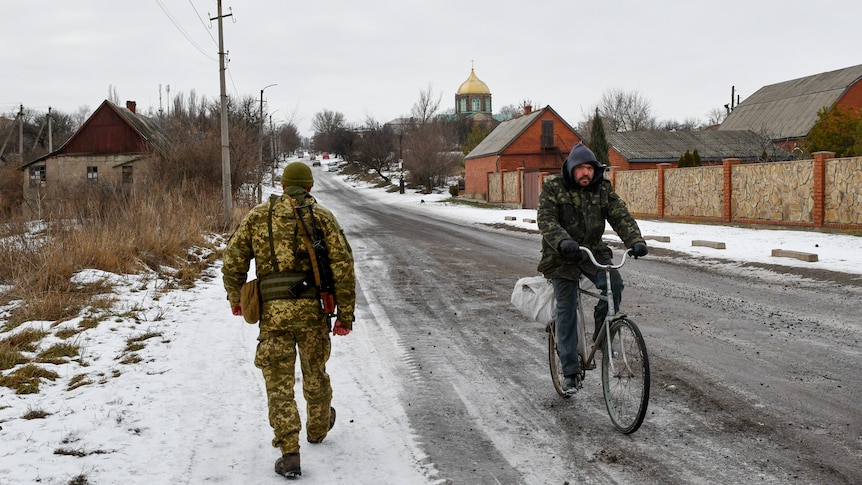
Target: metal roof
[
  {"x": 507, "y": 132},
  {"x": 669, "y": 146},
  {"x": 147, "y": 128},
  {"x": 789, "y": 109}
]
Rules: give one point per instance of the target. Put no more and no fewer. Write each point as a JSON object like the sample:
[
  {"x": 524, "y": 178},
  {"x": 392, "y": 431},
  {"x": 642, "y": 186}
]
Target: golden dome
[{"x": 473, "y": 85}]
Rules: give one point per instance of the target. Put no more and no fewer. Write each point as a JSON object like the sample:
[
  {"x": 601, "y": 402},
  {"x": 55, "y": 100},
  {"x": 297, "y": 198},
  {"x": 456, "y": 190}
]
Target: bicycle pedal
[{"x": 590, "y": 367}]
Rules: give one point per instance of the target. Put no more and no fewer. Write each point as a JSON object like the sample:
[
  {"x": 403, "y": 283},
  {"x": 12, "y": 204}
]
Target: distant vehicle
[
  {"x": 315, "y": 163},
  {"x": 325, "y": 156},
  {"x": 313, "y": 157},
  {"x": 332, "y": 166}
]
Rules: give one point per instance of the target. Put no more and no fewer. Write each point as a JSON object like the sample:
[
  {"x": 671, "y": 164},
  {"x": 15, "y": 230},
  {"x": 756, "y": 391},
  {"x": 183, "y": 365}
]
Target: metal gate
[{"x": 532, "y": 187}]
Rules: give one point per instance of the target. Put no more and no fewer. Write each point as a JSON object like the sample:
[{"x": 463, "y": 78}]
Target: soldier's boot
[
  {"x": 331, "y": 424},
  {"x": 288, "y": 466}
]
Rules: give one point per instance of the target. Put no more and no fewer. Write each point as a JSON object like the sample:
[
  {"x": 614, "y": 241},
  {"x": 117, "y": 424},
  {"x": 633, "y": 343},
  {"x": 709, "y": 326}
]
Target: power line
[
  {"x": 215, "y": 42},
  {"x": 182, "y": 31}
]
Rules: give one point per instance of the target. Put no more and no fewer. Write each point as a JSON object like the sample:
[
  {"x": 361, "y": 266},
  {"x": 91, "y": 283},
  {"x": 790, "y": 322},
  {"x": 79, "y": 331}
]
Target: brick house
[
  {"x": 640, "y": 150},
  {"x": 115, "y": 147},
  {"x": 528, "y": 146},
  {"x": 787, "y": 111}
]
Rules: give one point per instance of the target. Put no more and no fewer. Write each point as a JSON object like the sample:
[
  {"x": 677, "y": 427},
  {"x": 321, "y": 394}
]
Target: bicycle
[{"x": 625, "y": 365}]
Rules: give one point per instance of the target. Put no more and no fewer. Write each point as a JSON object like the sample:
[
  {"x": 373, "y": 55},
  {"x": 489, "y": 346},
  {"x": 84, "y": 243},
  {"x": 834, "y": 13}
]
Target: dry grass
[
  {"x": 59, "y": 353},
  {"x": 78, "y": 381},
  {"x": 10, "y": 357},
  {"x": 35, "y": 414},
  {"x": 26, "y": 379},
  {"x": 26, "y": 341},
  {"x": 162, "y": 232}
]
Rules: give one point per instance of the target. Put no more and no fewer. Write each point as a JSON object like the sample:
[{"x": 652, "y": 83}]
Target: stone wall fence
[{"x": 825, "y": 192}]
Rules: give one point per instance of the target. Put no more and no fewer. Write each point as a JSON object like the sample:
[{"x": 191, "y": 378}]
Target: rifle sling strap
[{"x": 303, "y": 233}]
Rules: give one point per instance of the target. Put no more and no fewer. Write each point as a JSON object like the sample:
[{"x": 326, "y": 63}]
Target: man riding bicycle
[{"x": 573, "y": 208}]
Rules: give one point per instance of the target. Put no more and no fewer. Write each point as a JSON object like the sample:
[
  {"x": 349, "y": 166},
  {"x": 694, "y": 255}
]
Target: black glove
[
  {"x": 569, "y": 247},
  {"x": 639, "y": 249}
]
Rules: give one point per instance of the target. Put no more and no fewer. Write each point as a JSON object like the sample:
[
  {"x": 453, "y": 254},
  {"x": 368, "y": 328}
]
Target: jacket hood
[{"x": 580, "y": 155}]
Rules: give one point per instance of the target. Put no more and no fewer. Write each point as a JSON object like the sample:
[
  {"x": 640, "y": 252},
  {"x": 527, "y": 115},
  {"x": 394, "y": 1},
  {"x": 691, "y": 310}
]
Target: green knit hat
[{"x": 297, "y": 174}]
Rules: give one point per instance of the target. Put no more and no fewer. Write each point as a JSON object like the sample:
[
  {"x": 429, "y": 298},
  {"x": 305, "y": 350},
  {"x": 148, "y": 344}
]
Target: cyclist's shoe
[{"x": 571, "y": 384}]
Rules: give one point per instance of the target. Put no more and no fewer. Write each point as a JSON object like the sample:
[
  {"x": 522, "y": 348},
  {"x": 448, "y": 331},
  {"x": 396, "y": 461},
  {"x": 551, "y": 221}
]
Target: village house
[
  {"x": 641, "y": 150},
  {"x": 115, "y": 148},
  {"x": 524, "y": 147},
  {"x": 786, "y": 111}
]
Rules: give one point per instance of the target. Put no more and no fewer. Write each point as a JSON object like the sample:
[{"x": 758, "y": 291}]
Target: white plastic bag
[{"x": 534, "y": 297}]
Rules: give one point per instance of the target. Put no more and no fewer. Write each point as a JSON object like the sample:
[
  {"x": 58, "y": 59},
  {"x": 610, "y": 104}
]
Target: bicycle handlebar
[{"x": 606, "y": 266}]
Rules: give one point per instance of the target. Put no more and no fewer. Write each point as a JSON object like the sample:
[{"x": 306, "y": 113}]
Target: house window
[
  {"x": 477, "y": 104},
  {"x": 547, "y": 133},
  {"x": 92, "y": 174},
  {"x": 37, "y": 176},
  {"x": 462, "y": 105},
  {"x": 127, "y": 174}
]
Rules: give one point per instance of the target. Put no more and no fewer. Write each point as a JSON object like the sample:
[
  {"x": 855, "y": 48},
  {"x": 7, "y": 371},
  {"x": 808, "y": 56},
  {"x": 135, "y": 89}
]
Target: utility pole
[
  {"x": 50, "y": 134},
  {"x": 260, "y": 147},
  {"x": 225, "y": 141},
  {"x": 21, "y": 133},
  {"x": 18, "y": 117}
]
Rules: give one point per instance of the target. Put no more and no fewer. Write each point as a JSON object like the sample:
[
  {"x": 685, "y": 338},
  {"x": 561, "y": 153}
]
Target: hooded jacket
[{"x": 570, "y": 211}]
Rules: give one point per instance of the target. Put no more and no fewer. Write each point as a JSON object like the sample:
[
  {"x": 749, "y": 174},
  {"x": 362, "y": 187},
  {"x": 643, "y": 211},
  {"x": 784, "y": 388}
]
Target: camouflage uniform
[
  {"x": 570, "y": 211},
  {"x": 291, "y": 325}
]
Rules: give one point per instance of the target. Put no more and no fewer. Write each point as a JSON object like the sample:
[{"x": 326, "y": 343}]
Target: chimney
[
  {"x": 528, "y": 109},
  {"x": 130, "y": 105}
]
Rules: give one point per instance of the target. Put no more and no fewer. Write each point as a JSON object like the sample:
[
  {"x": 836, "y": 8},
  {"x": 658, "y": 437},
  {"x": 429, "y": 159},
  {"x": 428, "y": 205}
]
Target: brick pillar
[
  {"x": 727, "y": 187},
  {"x": 819, "y": 209},
  {"x": 611, "y": 174},
  {"x": 660, "y": 188}
]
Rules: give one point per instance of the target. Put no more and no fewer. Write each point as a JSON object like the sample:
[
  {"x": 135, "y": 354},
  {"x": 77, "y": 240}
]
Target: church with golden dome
[{"x": 473, "y": 97}]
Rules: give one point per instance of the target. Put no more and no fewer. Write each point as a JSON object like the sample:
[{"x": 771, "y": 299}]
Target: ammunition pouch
[{"x": 287, "y": 285}]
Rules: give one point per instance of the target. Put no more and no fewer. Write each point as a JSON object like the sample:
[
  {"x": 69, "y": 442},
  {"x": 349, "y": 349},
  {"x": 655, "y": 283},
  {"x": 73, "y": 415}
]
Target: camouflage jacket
[
  {"x": 580, "y": 214},
  {"x": 250, "y": 241}
]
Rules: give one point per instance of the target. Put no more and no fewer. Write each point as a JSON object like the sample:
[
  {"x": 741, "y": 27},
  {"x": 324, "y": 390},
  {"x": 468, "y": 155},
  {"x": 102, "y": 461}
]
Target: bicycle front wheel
[
  {"x": 554, "y": 360},
  {"x": 625, "y": 376}
]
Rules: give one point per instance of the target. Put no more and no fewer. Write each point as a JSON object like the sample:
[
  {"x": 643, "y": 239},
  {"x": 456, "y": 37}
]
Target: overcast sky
[{"x": 372, "y": 58}]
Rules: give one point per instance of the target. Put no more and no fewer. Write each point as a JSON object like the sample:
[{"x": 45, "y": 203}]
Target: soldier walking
[{"x": 284, "y": 235}]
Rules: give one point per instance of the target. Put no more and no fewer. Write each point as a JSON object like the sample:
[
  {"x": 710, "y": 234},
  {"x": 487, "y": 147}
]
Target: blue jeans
[{"x": 566, "y": 294}]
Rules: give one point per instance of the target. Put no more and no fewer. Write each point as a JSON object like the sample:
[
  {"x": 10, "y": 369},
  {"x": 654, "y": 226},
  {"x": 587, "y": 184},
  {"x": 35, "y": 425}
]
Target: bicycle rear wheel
[
  {"x": 625, "y": 376},
  {"x": 554, "y": 360}
]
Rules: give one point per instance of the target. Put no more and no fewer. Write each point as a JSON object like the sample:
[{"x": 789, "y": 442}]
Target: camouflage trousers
[{"x": 276, "y": 358}]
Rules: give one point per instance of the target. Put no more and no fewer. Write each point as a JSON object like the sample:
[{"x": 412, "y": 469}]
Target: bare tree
[
  {"x": 426, "y": 107},
  {"x": 375, "y": 147},
  {"x": 112, "y": 94},
  {"x": 430, "y": 156},
  {"x": 510, "y": 111},
  {"x": 716, "y": 116},
  {"x": 673, "y": 125},
  {"x": 626, "y": 111},
  {"x": 328, "y": 128},
  {"x": 288, "y": 137}
]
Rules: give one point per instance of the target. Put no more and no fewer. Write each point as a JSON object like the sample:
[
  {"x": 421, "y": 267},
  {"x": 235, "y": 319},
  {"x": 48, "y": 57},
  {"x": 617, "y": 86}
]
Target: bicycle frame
[
  {"x": 625, "y": 364},
  {"x": 611, "y": 315}
]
